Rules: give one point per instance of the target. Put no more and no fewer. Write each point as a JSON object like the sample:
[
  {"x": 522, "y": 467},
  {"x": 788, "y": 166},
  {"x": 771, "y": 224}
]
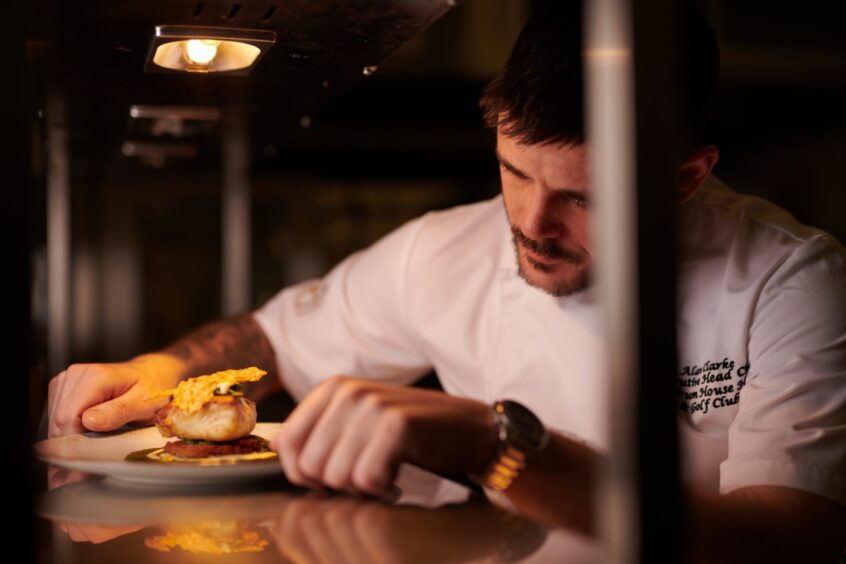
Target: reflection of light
[
  {"x": 608, "y": 53},
  {"x": 201, "y": 51},
  {"x": 210, "y": 537}
]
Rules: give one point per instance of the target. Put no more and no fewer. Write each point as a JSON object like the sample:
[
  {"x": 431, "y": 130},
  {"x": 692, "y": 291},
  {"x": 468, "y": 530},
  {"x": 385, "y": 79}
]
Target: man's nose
[{"x": 541, "y": 220}]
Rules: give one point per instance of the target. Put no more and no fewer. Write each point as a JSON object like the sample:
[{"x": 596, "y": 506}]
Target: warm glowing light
[
  {"x": 210, "y": 537},
  {"x": 206, "y": 55},
  {"x": 201, "y": 51}
]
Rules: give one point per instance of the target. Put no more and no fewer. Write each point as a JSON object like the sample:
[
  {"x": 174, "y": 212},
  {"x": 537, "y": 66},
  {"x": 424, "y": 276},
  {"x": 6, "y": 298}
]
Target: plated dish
[
  {"x": 214, "y": 432},
  {"x": 211, "y": 420},
  {"x": 105, "y": 454}
]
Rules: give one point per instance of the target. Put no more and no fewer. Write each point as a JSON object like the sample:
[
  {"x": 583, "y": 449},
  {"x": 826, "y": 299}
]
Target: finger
[
  {"x": 302, "y": 420},
  {"x": 58, "y": 421},
  {"x": 376, "y": 467},
  {"x": 67, "y": 412},
  {"x": 287, "y": 456},
  {"x": 77, "y": 390},
  {"x": 114, "y": 413},
  {"x": 347, "y": 449},
  {"x": 289, "y": 440},
  {"x": 345, "y": 410}
]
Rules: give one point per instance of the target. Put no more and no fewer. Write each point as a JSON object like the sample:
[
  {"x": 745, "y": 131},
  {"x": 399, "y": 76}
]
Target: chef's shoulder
[
  {"x": 470, "y": 234},
  {"x": 465, "y": 234},
  {"x": 426, "y": 267},
  {"x": 454, "y": 249},
  {"x": 748, "y": 239}
]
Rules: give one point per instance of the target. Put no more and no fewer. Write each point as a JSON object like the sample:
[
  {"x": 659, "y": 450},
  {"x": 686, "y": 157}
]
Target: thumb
[{"x": 117, "y": 412}]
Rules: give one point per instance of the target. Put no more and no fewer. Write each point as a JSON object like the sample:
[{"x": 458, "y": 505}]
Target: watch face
[{"x": 523, "y": 425}]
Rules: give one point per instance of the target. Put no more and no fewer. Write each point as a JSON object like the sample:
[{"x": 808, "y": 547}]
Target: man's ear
[{"x": 694, "y": 171}]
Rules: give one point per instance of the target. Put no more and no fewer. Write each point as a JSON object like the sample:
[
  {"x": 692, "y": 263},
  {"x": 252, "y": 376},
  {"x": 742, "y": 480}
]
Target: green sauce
[{"x": 141, "y": 455}]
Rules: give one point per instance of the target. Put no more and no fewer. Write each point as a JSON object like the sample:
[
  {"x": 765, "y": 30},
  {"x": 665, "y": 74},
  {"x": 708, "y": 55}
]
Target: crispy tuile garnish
[{"x": 192, "y": 394}]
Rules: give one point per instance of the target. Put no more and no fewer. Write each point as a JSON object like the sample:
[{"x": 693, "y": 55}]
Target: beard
[{"x": 578, "y": 283}]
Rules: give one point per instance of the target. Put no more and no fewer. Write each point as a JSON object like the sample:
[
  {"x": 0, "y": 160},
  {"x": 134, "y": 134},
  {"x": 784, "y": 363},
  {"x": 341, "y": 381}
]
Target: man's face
[{"x": 545, "y": 192}]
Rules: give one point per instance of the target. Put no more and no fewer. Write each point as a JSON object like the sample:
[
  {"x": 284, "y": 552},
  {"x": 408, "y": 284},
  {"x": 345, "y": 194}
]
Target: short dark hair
[{"x": 539, "y": 93}]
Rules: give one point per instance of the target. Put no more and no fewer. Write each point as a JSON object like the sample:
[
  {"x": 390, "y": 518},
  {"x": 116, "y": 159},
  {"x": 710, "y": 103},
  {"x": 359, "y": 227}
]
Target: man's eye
[
  {"x": 577, "y": 201},
  {"x": 512, "y": 172}
]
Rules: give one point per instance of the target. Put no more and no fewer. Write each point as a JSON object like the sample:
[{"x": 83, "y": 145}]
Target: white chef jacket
[{"x": 761, "y": 335}]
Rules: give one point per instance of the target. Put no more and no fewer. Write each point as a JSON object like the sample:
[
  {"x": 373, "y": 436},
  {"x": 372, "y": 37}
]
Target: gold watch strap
[
  {"x": 520, "y": 436},
  {"x": 504, "y": 469}
]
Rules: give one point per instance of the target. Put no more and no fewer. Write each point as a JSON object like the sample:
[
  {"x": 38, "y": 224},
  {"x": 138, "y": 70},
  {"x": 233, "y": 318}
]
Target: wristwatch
[{"x": 521, "y": 436}]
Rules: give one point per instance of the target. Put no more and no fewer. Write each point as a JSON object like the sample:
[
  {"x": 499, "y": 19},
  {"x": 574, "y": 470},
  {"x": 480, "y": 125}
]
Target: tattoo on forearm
[{"x": 236, "y": 342}]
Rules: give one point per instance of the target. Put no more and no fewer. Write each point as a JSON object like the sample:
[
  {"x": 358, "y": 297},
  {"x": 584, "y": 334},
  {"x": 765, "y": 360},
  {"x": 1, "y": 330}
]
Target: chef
[{"x": 497, "y": 298}]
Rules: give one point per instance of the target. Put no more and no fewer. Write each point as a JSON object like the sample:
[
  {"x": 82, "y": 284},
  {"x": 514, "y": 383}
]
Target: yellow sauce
[{"x": 159, "y": 455}]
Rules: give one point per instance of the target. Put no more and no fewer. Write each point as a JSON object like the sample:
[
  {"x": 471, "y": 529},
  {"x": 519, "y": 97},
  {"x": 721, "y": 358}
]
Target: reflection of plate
[
  {"x": 107, "y": 502},
  {"x": 104, "y": 453},
  {"x": 111, "y": 502}
]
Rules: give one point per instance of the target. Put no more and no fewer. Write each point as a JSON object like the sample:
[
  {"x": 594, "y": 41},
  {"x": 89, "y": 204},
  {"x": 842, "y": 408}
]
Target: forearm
[
  {"x": 235, "y": 342},
  {"x": 779, "y": 526},
  {"x": 557, "y": 487}
]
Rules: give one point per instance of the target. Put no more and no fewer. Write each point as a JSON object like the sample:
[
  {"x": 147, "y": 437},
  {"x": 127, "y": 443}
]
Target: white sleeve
[
  {"x": 790, "y": 429},
  {"x": 352, "y": 322}
]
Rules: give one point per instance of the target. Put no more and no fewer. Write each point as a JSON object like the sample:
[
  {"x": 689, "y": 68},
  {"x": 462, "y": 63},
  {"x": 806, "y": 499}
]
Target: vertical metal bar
[
  {"x": 658, "y": 143},
  {"x": 629, "y": 90},
  {"x": 236, "y": 212},
  {"x": 86, "y": 296},
  {"x": 58, "y": 234},
  {"x": 122, "y": 276},
  {"x": 610, "y": 123}
]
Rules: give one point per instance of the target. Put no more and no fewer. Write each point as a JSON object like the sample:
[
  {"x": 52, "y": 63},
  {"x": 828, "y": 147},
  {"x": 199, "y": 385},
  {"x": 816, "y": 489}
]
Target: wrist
[
  {"x": 168, "y": 368},
  {"x": 486, "y": 443},
  {"x": 520, "y": 437}
]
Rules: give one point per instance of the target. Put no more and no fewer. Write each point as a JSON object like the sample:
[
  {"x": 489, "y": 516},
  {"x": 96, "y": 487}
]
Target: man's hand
[
  {"x": 351, "y": 435},
  {"x": 104, "y": 397}
]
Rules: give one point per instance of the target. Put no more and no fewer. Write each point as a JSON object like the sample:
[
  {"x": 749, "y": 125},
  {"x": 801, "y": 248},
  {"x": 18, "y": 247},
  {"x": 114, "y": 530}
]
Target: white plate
[{"x": 105, "y": 453}]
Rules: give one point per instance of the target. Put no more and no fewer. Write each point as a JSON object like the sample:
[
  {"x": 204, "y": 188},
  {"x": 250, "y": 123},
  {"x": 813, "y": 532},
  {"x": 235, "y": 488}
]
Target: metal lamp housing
[{"x": 234, "y": 52}]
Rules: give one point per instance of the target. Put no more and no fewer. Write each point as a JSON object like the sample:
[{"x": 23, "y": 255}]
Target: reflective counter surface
[{"x": 90, "y": 518}]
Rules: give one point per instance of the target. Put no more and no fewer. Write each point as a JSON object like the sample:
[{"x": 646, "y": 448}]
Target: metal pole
[
  {"x": 123, "y": 275},
  {"x": 58, "y": 235},
  {"x": 629, "y": 76},
  {"x": 236, "y": 213}
]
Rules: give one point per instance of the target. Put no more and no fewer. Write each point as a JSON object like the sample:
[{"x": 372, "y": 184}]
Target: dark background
[{"x": 339, "y": 159}]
